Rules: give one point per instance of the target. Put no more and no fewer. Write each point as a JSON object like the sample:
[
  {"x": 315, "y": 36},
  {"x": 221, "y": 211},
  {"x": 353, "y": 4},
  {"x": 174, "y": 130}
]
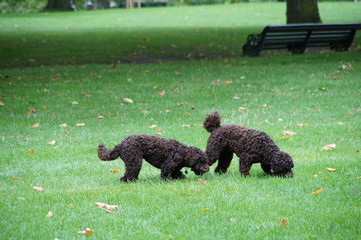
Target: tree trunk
[
  {"x": 59, "y": 5},
  {"x": 302, "y": 11}
]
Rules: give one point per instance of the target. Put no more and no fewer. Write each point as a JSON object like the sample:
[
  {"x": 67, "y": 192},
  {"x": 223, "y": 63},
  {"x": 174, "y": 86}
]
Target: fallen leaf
[
  {"x": 31, "y": 150},
  {"x": 331, "y": 169},
  {"x": 50, "y": 214},
  {"x": 302, "y": 125},
  {"x": 144, "y": 111},
  {"x": 236, "y": 98},
  {"x": 200, "y": 181},
  {"x": 128, "y": 100},
  {"x": 74, "y": 103},
  {"x": 86, "y": 232},
  {"x": 228, "y": 81},
  {"x": 167, "y": 111},
  {"x": 115, "y": 170},
  {"x": 39, "y": 189},
  {"x": 2, "y": 103},
  {"x": 52, "y": 142},
  {"x": 284, "y": 222},
  {"x": 204, "y": 209},
  {"x": 152, "y": 126},
  {"x": 279, "y": 119},
  {"x": 358, "y": 177},
  {"x": 193, "y": 107},
  {"x": 36, "y": 125},
  {"x": 63, "y": 125},
  {"x": 288, "y": 133},
  {"x": 285, "y": 137},
  {"x": 317, "y": 191},
  {"x": 328, "y": 147},
  {"x": 159, "y": 131},
  {"x": 100, "y": 117},
  {"x": 80, "y": 125},
  {"x": 242, "y": 109},
  {"x": 162, "y": 93},
  {"x": 109, "y": 208}
]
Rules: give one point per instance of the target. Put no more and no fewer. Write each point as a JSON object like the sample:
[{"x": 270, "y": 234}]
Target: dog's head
[
  {"x": 281, "y": 164},
  {"x": 197, "y": 160}
]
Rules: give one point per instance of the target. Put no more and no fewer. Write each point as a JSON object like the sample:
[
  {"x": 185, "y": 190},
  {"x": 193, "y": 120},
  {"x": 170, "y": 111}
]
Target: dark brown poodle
[
  {"x": 167, "y": 154},
  {"x": 251, "y": 146}
]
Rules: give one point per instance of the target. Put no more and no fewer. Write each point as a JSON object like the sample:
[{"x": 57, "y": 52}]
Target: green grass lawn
[
  {"x": 50, "y": 125},
  {"x": 321, "y": 91},
  {"x": 145, "y": 35}
]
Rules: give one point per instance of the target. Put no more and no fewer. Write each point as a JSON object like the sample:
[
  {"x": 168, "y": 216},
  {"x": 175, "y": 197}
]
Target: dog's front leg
[{"x": 167, "y": 170}]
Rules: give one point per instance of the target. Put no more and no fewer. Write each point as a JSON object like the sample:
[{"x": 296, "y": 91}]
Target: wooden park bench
[{"x": 297, "y": 37}]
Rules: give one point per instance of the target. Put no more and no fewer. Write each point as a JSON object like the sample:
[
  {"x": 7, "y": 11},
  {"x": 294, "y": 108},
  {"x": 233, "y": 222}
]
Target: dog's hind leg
[
  {"x": 133, "y": 164},
  {"x": 224, "y": 161}
]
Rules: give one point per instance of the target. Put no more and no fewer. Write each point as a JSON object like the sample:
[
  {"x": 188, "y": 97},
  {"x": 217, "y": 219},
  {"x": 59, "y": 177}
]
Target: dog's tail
[
  {"x": 212, "y": 121},
  {"x": 105, "y": 154}
]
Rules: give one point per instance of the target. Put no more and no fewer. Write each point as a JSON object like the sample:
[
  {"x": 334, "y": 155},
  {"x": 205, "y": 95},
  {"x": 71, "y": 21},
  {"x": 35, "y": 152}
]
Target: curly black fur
[
  {"x": 167, "y": 154},
  {"x": 251, "y": 146}
]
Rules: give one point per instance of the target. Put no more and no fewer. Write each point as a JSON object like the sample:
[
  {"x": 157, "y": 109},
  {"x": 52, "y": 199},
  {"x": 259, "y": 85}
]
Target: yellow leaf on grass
[
  {"x": 2, "y": 103},
  {"x": 331, "y": 169},
  {"x": 100, "y": 117},
  {"x": 144, "y": 111},
  {"x": 317, "y": 191},
  {"x": 36, "y": 125},
  {"x": 204, "y": 209},
  {"x": 200, "y": 181},
  {"x": 115, "y": 170},
  {"x": 63, "y": 125},
  {"x": 162, "y": 93},
  {"x": 52, "y": 142},
  {"x": 39, "y": 189},
  {"x": 109, "y": 208},
  {"x": 128, "y": 100},
  {"x": 50, "y": 214},
  {"x": 284, "y": 222},
  {"x": 242, "y": 109},
  {"x": 289, "y": 133},
  {"x": 86, "y": 232},
  {"x": 328, "y": 147},
  {"x": 80, "y": 125},
  {"x": 31, "y": 150},
  {"x": 358, "y": 177},
  {"x": 152, "y": 126}
]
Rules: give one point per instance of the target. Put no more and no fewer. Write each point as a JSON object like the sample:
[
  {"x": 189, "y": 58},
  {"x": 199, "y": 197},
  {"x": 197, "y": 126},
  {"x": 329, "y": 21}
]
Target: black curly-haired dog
[
  {"x": 251, "y": 146},
  {"x": 167, "y": 154}
]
